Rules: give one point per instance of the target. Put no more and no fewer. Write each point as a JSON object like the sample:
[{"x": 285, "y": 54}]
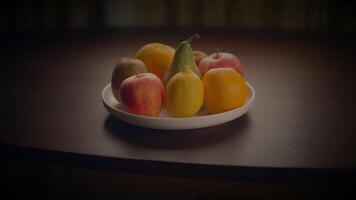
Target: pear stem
[{"x": 193, "y": 37}]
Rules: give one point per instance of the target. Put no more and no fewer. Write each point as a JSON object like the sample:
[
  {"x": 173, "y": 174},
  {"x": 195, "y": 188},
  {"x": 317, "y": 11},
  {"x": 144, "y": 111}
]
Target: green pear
[{"x": 183, "y": 57}]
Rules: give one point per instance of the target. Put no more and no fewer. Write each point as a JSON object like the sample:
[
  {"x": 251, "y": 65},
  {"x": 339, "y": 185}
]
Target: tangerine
[
  {"x": 157, "y": 57},
  {"x": 224, "y": 89}
]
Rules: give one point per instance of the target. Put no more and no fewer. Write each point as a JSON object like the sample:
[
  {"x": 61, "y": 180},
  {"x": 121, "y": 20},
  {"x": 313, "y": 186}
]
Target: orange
[
  {"x": 157, "y": 57},
  {"x": 224, "y": 89}
]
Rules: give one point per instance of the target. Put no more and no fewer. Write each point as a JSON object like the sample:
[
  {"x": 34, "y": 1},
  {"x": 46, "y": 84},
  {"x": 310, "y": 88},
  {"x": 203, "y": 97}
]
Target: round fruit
[
  {"x": 199, "y": 55},
  {"x": 125, "y": 68},
  {"x": 184, "y": 94},
  {"x": 157, "y": 57},
  {"x": 224, "y": 89},
  {"x": 220, "y": 60},
  {"x": 142, "y": 94}
]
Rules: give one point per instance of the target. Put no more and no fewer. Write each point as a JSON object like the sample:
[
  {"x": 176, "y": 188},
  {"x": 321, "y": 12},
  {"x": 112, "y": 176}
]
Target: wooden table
[{"x": 300, "y": 128}]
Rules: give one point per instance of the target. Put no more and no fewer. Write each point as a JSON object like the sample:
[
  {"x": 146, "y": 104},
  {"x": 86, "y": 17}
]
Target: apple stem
[
  {"x": 134, "y": 71},
  {"x": 193, "y": 37}
]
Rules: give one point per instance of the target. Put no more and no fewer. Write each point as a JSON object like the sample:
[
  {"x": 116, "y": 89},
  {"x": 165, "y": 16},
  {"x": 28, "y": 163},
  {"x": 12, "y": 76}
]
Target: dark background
[{"x": 299, "y": 15}]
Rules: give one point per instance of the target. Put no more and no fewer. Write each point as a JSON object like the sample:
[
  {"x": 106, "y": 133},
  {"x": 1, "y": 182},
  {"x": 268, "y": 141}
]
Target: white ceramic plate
[{"x": 164, "y": 121}]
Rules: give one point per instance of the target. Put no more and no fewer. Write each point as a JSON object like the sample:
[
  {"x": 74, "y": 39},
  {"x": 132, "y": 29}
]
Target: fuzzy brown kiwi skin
[{"x": 125, "y": 68}]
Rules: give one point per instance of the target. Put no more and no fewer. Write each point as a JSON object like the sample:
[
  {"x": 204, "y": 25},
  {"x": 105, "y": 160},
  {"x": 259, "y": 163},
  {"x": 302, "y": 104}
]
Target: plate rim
[{"x": 247, "y": 104}]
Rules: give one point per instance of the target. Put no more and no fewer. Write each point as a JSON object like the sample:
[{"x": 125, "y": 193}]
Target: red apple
[
  {"x": 142, "y": 94},
  {"x": 220, "y": 60}
]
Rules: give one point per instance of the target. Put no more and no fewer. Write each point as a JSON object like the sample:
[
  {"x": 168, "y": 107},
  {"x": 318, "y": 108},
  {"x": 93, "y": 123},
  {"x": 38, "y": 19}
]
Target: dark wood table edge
[{"x": 184, "y": 170}]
